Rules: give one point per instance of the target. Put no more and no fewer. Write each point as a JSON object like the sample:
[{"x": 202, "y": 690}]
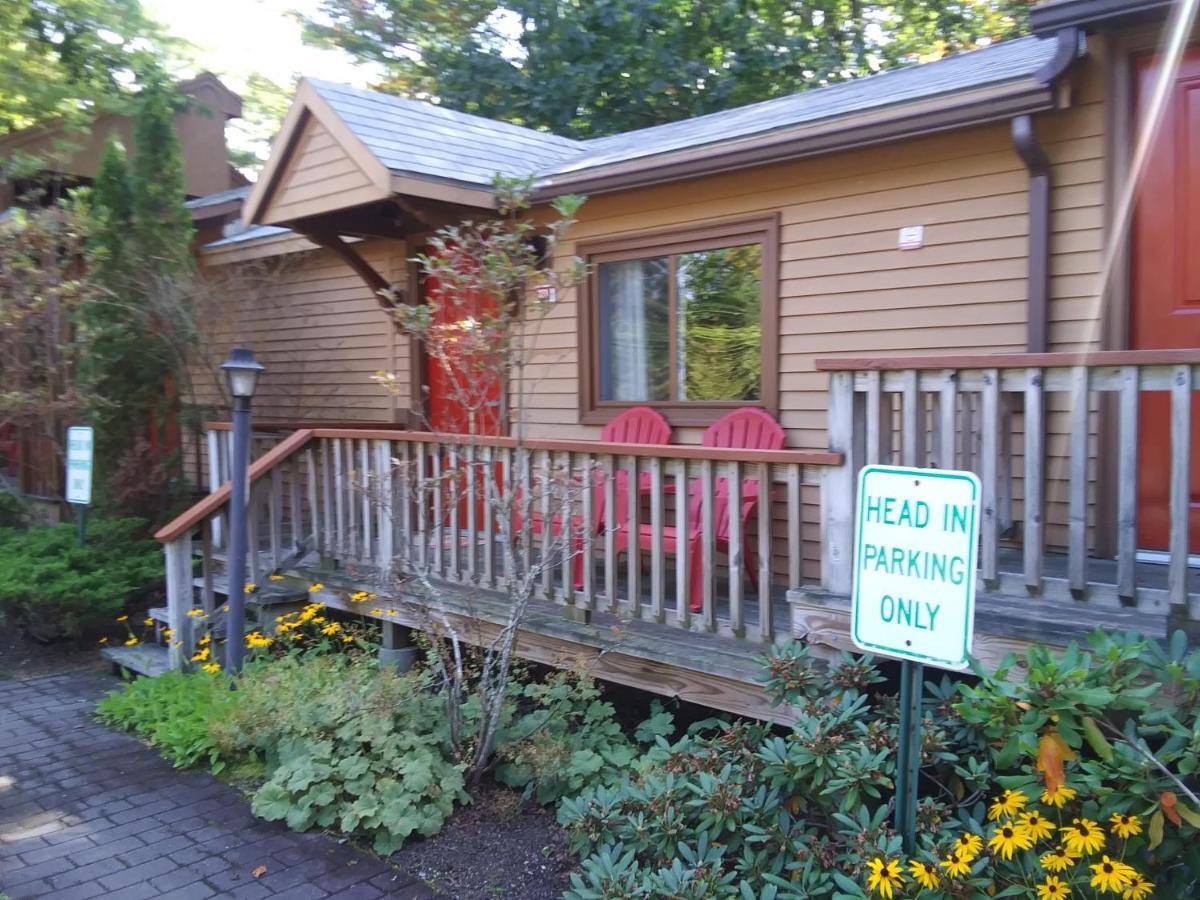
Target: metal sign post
[
  {"x": 80, "y": 442},
  {"x": 916, "y": 534}
]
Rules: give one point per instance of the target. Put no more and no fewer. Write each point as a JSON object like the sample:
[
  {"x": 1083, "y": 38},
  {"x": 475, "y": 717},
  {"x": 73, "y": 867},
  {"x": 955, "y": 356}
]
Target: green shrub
[
  {"x": 14, "y": 511},
  {"x": 175, "y": 713},
  {"x": 737, "y": 810},
  {"x": 347, "y": 744},
  {"x": 566, "y": 739},
  {"x": 55, "y": 589}
]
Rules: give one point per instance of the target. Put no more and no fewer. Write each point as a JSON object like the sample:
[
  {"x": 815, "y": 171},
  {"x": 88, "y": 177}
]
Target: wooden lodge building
[{"x": 987, "y": 262}]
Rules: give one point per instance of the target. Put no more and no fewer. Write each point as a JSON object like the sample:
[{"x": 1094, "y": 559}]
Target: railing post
[
  {"x": 213, "y": 440},
  {"x": 178, "y": 556},
  {"x": 838, "y": 486}
]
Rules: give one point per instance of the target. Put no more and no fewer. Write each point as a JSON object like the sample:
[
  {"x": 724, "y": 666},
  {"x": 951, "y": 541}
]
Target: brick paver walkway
[{"x": 86, "y": 812}]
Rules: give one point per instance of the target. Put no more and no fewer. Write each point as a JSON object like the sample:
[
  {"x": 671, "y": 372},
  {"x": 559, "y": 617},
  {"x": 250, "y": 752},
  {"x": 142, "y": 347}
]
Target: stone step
[{"x": 149, "y": 660}]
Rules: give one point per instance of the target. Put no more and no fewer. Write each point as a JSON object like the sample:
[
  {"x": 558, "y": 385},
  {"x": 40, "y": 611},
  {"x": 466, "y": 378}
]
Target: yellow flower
[
  {"x": 1125, "y": 825},
  {"x": 1039, "y": 827},
  {"x": 147, "y": 621},
  {"x": 968, "y": 845},
  {"x": 1007, "y": 805},
  {"x": 1083, "y": 837},
  {"x": 122, "y": 618},
  {"x": 1058, "y": 797},
  {"x": 1112, "y": 875},
  {"x": 131, "y": 642},
  {"x": 201, "y": 655},
  {"x": 313, "y": 588},
  {"x": 358, "y": 597},
  {"x": 167, "y": 633},
  {"x": 250, "y": 588},
  {"x": 1138, "y": 889},
  {"x": 1058, "y": 860},
  {"x": 317, "y": 620},
  {"x": 204, "y": 641},
  {"x": 225, "y": 608},
  {"x": 346, "y": 639},
  {"x": 275, "y": 576},
  {"x": 195, "y": 613},
  {"x": 103, "y": 640},
  {"x": 256, "y": 640},
  {"x": 1010, "y": 837},
  {"x": 885, "y": 876},
  {"x": 955, "y": 865},
  {"x": 331, "y": 628},
  {"x": 377, "y": 612},
  {"x": 924, "y": 875},
  {"x": 282, "y": 626},
  {"x": 211, "y": 668},
  {"x": 1053, "y": 888}
]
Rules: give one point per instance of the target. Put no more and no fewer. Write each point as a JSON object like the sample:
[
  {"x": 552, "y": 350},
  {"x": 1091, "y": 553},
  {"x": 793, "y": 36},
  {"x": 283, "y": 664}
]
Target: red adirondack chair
[
  {"x": 745, "y": 429},
  {"x": 637, "y": 425}
]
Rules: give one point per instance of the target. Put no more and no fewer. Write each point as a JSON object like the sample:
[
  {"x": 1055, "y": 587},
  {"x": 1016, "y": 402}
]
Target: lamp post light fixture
[{"x": 241, "y": 373}]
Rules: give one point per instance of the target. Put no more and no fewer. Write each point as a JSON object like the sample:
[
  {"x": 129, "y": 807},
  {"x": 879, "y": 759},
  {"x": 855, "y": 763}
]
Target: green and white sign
[
  {"x": 917, "y": 531},
  {"x": 79, "y": 464}
]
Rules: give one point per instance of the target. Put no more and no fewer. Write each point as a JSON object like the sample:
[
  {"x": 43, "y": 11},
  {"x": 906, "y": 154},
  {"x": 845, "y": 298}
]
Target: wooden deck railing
[
  {"x": 598, "y": 525},
  {"x": 1056, "y": 435}
]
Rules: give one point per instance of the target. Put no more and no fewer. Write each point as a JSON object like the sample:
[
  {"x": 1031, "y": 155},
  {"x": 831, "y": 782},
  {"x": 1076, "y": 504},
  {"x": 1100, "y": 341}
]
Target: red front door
[
  {"x": 1165, "y": 298},
  {"x": 461, "y": 375}
]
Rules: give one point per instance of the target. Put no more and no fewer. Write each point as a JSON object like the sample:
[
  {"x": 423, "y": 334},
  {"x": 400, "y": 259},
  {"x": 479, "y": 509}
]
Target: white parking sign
[
  {"x": 79, "y": 464},
  {"x": 914, "y": 564}
]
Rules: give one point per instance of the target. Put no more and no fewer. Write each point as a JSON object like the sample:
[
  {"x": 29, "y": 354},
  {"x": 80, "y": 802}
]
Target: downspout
[{"x": 1030, "y": 150}]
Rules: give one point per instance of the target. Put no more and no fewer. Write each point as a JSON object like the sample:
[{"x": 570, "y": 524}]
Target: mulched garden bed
[
  {"x": 22, "y": 657},
  {"x": 496, "y": 847}
]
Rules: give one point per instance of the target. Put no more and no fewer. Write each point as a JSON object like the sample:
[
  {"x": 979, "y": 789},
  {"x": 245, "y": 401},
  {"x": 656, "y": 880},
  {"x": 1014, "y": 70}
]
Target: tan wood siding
[
  {"x": 316, "y": 327},
  {"x": 320, "y": 176}
]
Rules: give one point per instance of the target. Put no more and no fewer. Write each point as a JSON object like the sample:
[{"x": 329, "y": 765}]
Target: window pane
[
  {"x": 635, "y": 363},
  {"x": 719, "y": 338}
]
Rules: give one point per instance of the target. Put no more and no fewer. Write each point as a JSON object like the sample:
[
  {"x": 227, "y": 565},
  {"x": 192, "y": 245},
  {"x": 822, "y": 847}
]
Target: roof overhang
[
  {"x": 892, "y": 123},
  {"x": 309, "y": 104},
  {"x": 1046, "y": 18}
]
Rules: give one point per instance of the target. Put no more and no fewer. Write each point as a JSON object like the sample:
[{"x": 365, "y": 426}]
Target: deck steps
[{"x": 149, "y": 660}]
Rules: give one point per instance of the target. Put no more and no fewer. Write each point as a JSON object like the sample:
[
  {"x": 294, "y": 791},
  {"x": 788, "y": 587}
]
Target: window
[{"x": 682, "y": 321}]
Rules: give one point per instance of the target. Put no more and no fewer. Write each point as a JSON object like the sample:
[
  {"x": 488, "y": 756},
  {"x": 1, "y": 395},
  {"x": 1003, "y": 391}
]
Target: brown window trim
[{"x": 709, "y": 236}]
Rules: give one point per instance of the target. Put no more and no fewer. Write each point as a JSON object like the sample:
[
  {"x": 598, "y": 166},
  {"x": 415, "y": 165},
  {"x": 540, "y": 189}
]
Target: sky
[{"x": 234, "y": 38}]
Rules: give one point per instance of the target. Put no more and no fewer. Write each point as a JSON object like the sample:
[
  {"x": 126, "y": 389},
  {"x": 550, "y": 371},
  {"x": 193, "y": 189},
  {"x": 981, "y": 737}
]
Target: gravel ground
[{"x": 494, "y": 848}]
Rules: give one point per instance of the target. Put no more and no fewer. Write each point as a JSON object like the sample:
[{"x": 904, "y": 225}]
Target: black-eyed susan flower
[
  {"x": 122, "y": 618},
  {"x": 147, "y": 621},
  {"x": 968, "y": 845},
  {"x": 1008, "y": 838},
  {"x": 275, "y": 576},
  {"x": 211, "y": 668},
  {"x": 1139, "y": 888},
  {"x": 1111, "y": 875},
  {"x": 132, "y": 642},
  {"x": 315, "y": 587},
  {"x": 195, "y": 613},
  {"x": 250, "y": 588},
  {"x": 955, "y": 866},
  {"x": 1059, "y": 796},
  {"x": 1125, "y": 825},
  {"x": 885, "y": 876},
  {"x": 1039, "y": 826},
  {"x": 103, "y": 640},
  {"x": 1053, "y": 888},
  {"x": 1083, "y": 837},
  {"x": 331, "y": 629},
  {"x": 1007, "y": 805},
  {"x": 925, "y": 876},
  {"x": 202, "y": 654},
  {"x": 1058, "y": 860},
  {"x": 256, "y": 640}
]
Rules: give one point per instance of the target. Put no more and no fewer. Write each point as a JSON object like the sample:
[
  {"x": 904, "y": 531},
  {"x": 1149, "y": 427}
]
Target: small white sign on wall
[
  {"x": 912, "y": 237},
  {"x": 79, "y": 464}
]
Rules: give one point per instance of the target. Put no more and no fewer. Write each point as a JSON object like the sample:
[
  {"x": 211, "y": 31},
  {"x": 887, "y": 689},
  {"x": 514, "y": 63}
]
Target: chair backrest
[
  {"x": 747, "y": 428},
  {"x": 638, "y": 425}
]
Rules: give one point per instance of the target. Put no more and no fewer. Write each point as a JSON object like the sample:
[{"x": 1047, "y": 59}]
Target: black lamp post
[{"x": 241, "y": 372}]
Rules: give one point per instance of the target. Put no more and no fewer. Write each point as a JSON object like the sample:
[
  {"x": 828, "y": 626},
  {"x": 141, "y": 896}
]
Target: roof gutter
[
  {"x": 945, "y": 113},
  {"x": 1032, "y": 153}
]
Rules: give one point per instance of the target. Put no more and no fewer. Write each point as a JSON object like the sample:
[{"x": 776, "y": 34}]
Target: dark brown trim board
[{"x": 711, "y": 235}]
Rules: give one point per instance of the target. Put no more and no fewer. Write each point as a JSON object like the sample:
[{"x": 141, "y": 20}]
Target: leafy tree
[
  {"x": 162, "y": 225},
  {"x": 69, "y": 59},
  {"x": 617, "y": 65}
]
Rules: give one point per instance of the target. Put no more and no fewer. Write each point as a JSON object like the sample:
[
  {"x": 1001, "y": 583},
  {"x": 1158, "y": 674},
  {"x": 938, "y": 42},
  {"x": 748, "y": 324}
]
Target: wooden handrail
[
  {"x": 1189, "y": 356},
  {"x": 661, "y": 451},
  {"x": 186, "y": 521},
  {"x": 298, "y": 424}
]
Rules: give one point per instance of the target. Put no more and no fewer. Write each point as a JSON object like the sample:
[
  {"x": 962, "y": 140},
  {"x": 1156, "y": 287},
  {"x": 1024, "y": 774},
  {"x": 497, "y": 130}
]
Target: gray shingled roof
[
  {"x": 237, "y": 193},
  {"x": 427, "y": 140},
  {"x": 1007, "y": 61},
  {"x": 423, "y": 139}
]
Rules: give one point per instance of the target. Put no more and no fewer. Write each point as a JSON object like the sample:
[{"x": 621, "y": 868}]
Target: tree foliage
[
  {"x": 586, "y": 69},
  {"x": 69, "y": 59}
]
